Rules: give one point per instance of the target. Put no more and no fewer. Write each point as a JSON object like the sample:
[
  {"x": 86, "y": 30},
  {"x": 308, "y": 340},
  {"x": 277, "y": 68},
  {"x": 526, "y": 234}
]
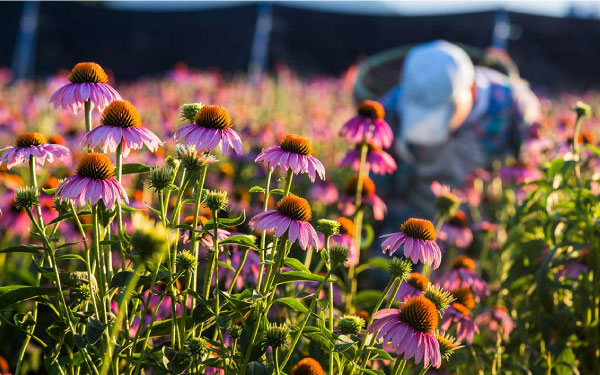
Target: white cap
[{"x": 435, "y": 75}]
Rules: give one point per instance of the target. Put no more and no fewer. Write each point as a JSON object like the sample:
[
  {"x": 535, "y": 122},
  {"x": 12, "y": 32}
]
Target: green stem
[
  {"x": 330, "y": 295},
  {"x": 399, "y": 368},
  {"x": 88, "y": 116},
  {"x": 238, "y": 271},
  {"x": 119, "y": 210},
  {"x": 313, "y": 304},
  {"x": 194, "y": 235},
  {"x": 276, "y": 361},
  {"x": 263, "y": 235},
  {"x": 100, "y": 261}
]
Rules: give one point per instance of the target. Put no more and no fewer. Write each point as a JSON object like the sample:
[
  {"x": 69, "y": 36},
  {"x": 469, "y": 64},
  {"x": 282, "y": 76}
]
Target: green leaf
[
  {"x": 256, "y": 189},
  {"x": 226, "y": 222},
  {"x": 296, "y": 265},
  {"x": 125, "y": 207},
  {"x": 342, "y": 344},
  {"x": 240, "y": 240},
  {"x": 225, "y": 265},
  {"x": 33, "y": 249},
  {"x": 68, "y": 244},
  {"x": 276, "y": 191},
  {"x": 293, "y": 276},
  {"x": 94, "y": 331},
  {"x": 69, "y": 215},
  {"x": 9, "y": 295},
  {"x": 176, "y": 362},
  {"x": 378, "y": 353},
  {"x": 130, "y": 168},
  {"x": 50, "y": 191},
  {"x": 294, "y": 303},
  {"x": 368, "y": 238},
  {"x": 319, "y": 340},
  {"x": 163, "y": 327}
]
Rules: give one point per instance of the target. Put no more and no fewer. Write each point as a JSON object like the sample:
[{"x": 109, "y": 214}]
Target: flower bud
[
  {"x": 583, "y": 110},
  {"x": 189, "y": 111},
  {"x": 192, "y": 160},
  {"x": 196, "y": 346},
  {"x": 277, "y": 336},
  {"x": 171, "y": 162},
  {"x": 338, "y": 254},
  {"x": 447, "y": 204},
  {"x": 160, "y": 179},
  {"x": 150, "y": 239},
  {"x": 448, "y": 345},
  {"x": 62, "y": 206},
  {"x": 440, "y": 297},
  {"x": 328, "y": 227},
  {"x": 351, "y": 324},
  {"x": 235, "y": 331},
  {"x": 27, "y": 197},
  {"x": 216, "y": 200},
  {"x": 186, "y": 261},
  {"x": 400, "y": 268}
]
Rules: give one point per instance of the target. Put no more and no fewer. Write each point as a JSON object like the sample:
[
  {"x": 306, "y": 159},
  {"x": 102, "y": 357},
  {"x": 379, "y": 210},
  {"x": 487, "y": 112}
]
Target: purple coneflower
[
  {"x": 418, "y": 237},
  {"x": 348, "y": 199},
  {"x": 206, "y": 241},
  {"x": 121, "y": 123},
  {"x": 293, "y": 152},
  {"x": 87, "y": 82},
  {"x": 459, "y": 314},
  {"x": 378, "y": 161},
  {"x": 456, "y": 231},
  {"x": 410, "y": 330},
  {"x": 496, "y": 320},
  {"x": 212, "y": 127},
  {"x": 369, "y": 125},
  {"x": 32, "y": 144},
  {"x": 291, "y": 216},
  {"x": 346, "y": 239},
  {"x": 414, "y": 286},
  {"x": 462, "y": 275},
  {"x": 94, "y": 179},
  {"x": 323, "y": 192}
]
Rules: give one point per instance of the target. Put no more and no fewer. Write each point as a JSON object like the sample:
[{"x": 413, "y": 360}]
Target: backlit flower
[
  {"x": 212, "y": 127},
  {"x": 418, "y": 237},
  {"x": 345, "y": 238},
  {"x": 378, "y": 161},
  {"x": 94, "y": 179},
  {"x": 32, "y": 144},
  {"x": 293, "y": 152},
  {"x": 87, "y": 82},
  {"x": 459, "y": 315},
  {"x": 307, "y": 366},
  {"x": 410, "y": 330},
  {"x": 414, "y": 286},
  {"x": 348, "y": 200},
  {"x": 462, "y": 275},
  {"x": 121, "y": 123},
  {"x": 456, "y": 231},
  {"x": 291, "y": 216},
  {"x": 496, "y": 320},
  {"x": 369, "y": 125}
]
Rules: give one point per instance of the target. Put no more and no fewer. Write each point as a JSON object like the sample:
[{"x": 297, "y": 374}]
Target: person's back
[{"x": 451, "y": 119}]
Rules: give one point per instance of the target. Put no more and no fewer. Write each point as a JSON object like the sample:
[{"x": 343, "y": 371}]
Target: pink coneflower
[
  {"x": 496, "y": 320},
  {"x": 206, "y": 241},
  {"x": 520, "y": 173},
  {"x": 323, "y": 192},
  {"x": 291, "y": 216},
  {"x": 293, "y": 152},
  {"x": 447, "y": 200},
  {"x": 369, "y": 198},
  {"x": 418, "y": 237},
  {"x": 93, "y": 180},
  {"x": 32, "y": 144},
  {"x": 456, "y": 231},
  {"x": 462, "y": 275},
  {"x": 574, "y": 270},
  {"x": 121, "y": 123},
  {"x": 88, "y": 82},
  {"x": 369, "y": 125},
  {"x": 459, "y": 314},
  {"x": 414, "y": 286},
  {"x": 378, "y": 161},
  {"x": 411, "y": 330},
  {"x": 212, "y": 127}
]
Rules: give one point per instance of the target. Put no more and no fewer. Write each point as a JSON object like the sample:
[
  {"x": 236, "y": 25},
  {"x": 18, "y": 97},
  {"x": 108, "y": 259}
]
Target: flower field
[{"x": 198, "y": 224}]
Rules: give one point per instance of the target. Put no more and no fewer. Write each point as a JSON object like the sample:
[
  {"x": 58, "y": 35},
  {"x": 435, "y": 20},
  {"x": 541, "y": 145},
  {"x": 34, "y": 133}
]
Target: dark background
[{"x": 550, "y": 52}]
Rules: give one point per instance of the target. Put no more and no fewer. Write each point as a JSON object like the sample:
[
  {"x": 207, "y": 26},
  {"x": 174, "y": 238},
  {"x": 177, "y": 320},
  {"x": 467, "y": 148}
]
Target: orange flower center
[
  {"x": 307, "y": 366},
  {"x": 213, "y": 117},
  {"x": 461, "y": 308},
  {"x": 419, "y": 228},
  {"x": 87, "y": 72},
  {"x": 295, "y": 208},
  {"x": 368, "y": 186},
  {"x": 463, "y": 261},
  {"x": 459, "y": 219},
  {"x": 419, "y": 313},
  {"x": 371, "y": 109},
  {"x": 346, "y": 225},
  {"x": 296, "y": 144},
  {"x": 189, "y": 220},
  {"x": 418, "y": 281},
  {"x": 364, "y": 314},
  {"x": 464, "y": 296},
  {"x": 57, "y": 140},
  {"x": 96, "y": 166},
  {"x": 30, "y": 139},
  {"x": 121, "y": 113}
]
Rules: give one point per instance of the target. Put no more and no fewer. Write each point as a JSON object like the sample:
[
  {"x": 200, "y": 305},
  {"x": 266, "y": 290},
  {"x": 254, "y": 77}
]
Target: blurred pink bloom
[
  {"x": 455, "y": 231},
  {"x": 369, "y": 126},
  {"x": 496, "y": 320},
  {"x": 324, "y": 192},
  {"x": 32, "y": 144},
  {"x": 418, "y": 238},
  {"x": 378, "y": 161},
  {"x": 462, "y": 275},
  {"x": 459, "y": 315}
]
